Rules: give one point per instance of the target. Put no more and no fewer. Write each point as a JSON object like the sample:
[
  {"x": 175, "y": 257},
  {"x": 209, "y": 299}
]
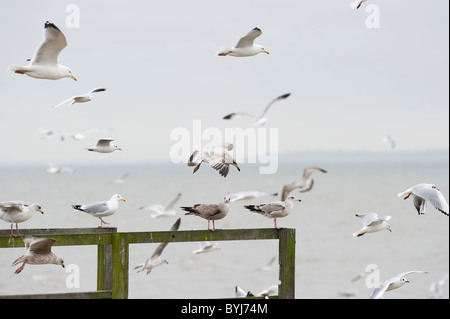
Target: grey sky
[{"x": 350, "y": 85}]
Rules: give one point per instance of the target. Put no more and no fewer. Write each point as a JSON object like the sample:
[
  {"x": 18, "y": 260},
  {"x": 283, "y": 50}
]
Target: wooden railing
[{"x": 113, "y": 253}]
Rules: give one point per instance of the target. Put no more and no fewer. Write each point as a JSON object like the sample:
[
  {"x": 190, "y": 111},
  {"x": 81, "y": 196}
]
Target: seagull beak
[
  {"x": 74, "y": 78},
  {"x": 266, "y": 52},
  {"x": 123, "y": 199}
]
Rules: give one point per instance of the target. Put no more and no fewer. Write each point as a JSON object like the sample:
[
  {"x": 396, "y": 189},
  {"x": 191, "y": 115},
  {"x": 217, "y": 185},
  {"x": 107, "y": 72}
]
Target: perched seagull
[
  {"x": 44, "y": 64},
  {"x": 216, "y": 156},
  {"x": 104, "y": 145},
  {"x": 305, "y": 183},
  {"x": 101, "y": 209},
  {"x": 372, "y": 224},
  {"x": 80, "y": 98},
  {"x": 38, "y": 252},
  {"x": 234, "y": 197},
  {"x": 424, "y": 192},
  {"x": 240, "y": 293},
  {"x": 161, "y": 211},
  {"x": 261, "y": 119},
  {"x": 210, "y": 212},
  {"x": 274, "y": 210},
  {"x": 393, "y": 283},
  {"x": 436, "y": 287},
  {"x": 388, "y": 139},
  {"x": 206, "y": 247},
  {"x": 245, "y": 47},
  {"x": 155, "y": 260},
  {"x": 16, "y": 212}
]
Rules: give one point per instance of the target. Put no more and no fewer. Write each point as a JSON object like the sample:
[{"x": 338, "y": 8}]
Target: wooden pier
[{"x": 113, "y": 253}]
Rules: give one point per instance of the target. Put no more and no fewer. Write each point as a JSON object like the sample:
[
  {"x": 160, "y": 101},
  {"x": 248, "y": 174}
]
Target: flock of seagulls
[{"x": 45, "y": 65}]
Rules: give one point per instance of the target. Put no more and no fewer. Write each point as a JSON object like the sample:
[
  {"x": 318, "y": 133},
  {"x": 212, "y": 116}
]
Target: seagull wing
[
  {"x": 54, "y": 42},
  {"x": 248, "y": 40},
  {"x": 173, "y": 202},
  {"x": 42, "y": 245},
  {"x": 104, "y": 142},
  {"x": 281, "y": 97},
  {"x": 234, "y": 114},
  {"x": 434, "y": 196},
  {"x": 97, "y": 90},
  {"x": 72, "y": 99},
  {"x": 378, "y": 292},
  {"x": 161, "y": 246}
]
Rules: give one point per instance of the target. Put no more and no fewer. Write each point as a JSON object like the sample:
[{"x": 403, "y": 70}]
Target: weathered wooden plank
[
  {"x": 63, "y": 236},
  {"x": 203, "y": 235},
  {"x": 105, "y": 294},
  {"x": 286, "y": 259},
  {"x": 104, "y": 267}
]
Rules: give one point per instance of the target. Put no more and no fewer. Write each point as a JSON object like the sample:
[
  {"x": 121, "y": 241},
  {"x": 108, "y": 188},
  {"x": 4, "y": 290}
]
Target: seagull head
[{"x": 68, "y": 73}]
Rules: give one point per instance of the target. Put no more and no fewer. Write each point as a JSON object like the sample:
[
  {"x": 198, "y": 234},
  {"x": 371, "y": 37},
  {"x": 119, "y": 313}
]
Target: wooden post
[
  {"x": 286, "y": 258},
  {"x": 120, "y": 256},
  {"x": 104, "y": 267}
]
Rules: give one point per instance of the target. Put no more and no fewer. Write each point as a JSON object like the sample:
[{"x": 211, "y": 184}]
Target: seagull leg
[
  {"x": 18, "y": 270},
  {"x": 275, "y": 223},
  {"x": 102, "y": 222},
  {"x": 197, "y": 167},
  {"x": 18, "y": 232}
]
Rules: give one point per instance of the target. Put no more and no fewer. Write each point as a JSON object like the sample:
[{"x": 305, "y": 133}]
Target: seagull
[
  {"x": 44, "y": 64},
  {"x": 206, "y": 247},
  {"x": 272, "y": 290},
  {"x": 234, "y": 197},
  {"x": 240, "y": 293},
  {"x": 216, "y": 156},
  {"x": 80, "y": 98},
  {"x": 101, "y": 209},
  {"x": 436, "y": 287},
  {"x": 305, "y": 183},
  {"x": 372, "y": 224},
  {"x": 155, "y": 260},
  {"x": 424, "y": 192},
  {"x": 104, "y": 145},
  {"x": 210, "y": 212},
  {"x": 388, "y": 139},
  {"x": 245, "y": 47},
  {"x": 38, "y": 252},
  {"x": 120, "y": 180},
  {"x": 275, "y": 209},
  {"x": 16, "y": 212},
  {"x": 52, "y": 169},
  {"x": 161, "y": 211},
  {"x": 393, "y": 283},
  {"x": 261, "y": 119},
  {"x": 268, "y": 267}
]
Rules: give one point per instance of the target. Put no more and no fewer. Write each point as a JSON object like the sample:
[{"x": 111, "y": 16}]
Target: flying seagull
[
  {"x": 80, "y": 98},
  {"x": 261, "y": 119},
  {"x": 38, "y": 252},
  {"x": 155, "y": 260},
  {"x": 104, "y": 145},
  {"x": 305, "y": 184},
  {"x": 424, "y": 192},
  {"x": 393, "y": 283},
  {"x": 216, "y": 156},
  {"x": 44, "y": 64},
  {"x": 372, "y": 224},
  {"x": 245, "y": 47}
]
